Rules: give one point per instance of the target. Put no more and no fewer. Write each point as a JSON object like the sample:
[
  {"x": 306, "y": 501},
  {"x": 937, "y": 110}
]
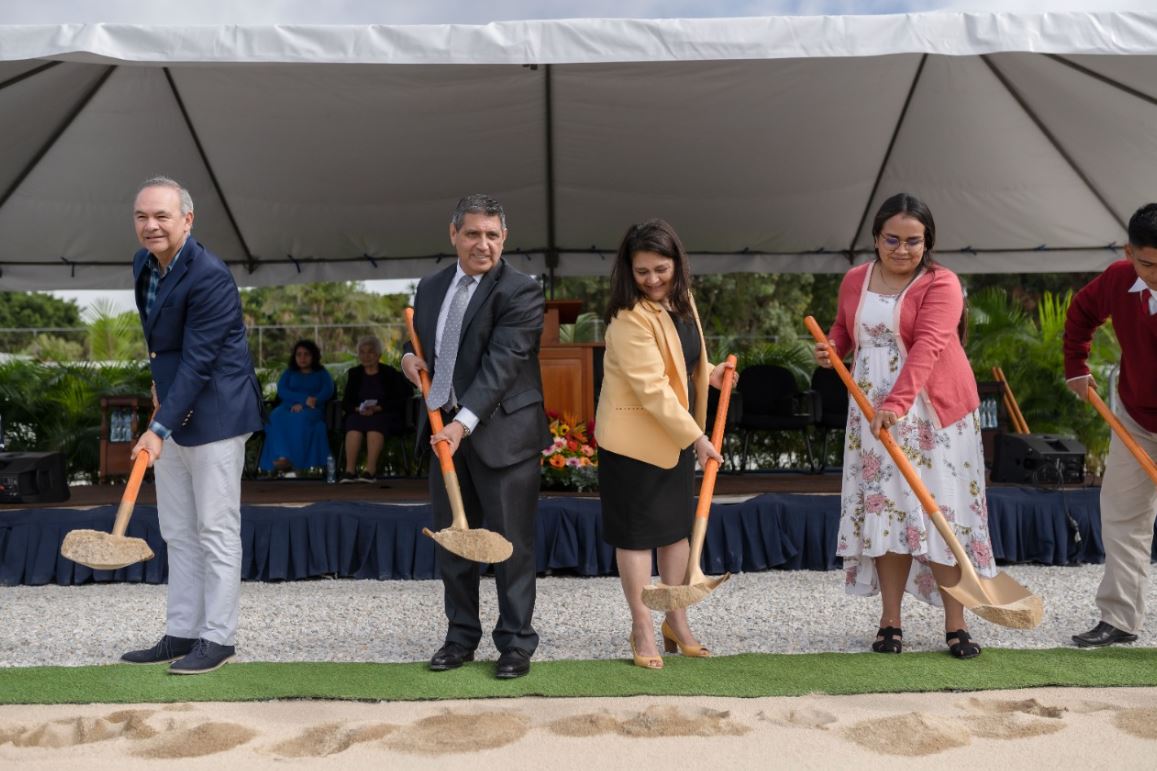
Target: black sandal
[
  {"x": 964, "y": 647},
  {"x": 893, "y": 641}
]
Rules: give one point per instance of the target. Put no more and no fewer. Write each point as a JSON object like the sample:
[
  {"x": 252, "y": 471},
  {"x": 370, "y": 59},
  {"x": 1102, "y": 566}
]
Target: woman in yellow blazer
[{"x": 649, "y": 426}]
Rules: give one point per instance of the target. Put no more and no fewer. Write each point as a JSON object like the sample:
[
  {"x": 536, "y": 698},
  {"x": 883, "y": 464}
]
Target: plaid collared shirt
[{"x": 156, "y": 274}]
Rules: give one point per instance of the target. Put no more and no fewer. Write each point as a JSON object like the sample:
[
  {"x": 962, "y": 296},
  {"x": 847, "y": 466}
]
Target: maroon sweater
[{"x": 1108, "y": 295}]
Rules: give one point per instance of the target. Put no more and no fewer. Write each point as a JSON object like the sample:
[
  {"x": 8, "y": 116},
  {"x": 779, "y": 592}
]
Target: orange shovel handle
[
  {"x": 441, "y": 448},
  {"x": 893, "y": 449},
  {"x": 132, "y": 489},
  {"x": 1124, "y": 435},
  {"x": 711, "y": 470}
]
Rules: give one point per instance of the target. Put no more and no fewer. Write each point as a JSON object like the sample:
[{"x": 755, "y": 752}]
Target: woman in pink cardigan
[{"x": 900, "y": 317}]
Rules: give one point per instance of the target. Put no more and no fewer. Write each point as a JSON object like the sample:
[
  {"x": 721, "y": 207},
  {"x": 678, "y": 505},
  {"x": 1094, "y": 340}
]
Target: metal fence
[{"x": 271, "y": 345}]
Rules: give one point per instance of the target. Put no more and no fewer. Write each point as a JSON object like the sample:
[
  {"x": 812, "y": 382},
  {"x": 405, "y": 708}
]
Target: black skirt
[{"x": 644, "y": 506}]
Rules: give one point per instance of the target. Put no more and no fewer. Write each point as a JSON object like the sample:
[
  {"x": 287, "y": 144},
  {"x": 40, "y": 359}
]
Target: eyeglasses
[{"x": 892, "y": 243}]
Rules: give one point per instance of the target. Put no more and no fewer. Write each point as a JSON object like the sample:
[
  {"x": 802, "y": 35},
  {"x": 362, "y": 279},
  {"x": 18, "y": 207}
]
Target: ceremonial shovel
[
  {"x": 477, "y": 545},
  {"x": 1000, "y": 600},
  {"x": 1124, "y": 435},
  {"x": 112, "y": 551},
  {"x": 696, "y": 586}
]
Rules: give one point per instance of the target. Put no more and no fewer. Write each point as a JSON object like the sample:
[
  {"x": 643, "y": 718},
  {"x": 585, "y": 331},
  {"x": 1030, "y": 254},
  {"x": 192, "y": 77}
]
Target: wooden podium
[
  {"x": 119, "y": 431},
  {"x": 568, "y": 369}
]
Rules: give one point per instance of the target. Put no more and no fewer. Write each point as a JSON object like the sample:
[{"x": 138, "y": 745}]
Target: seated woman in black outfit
[{"x": 374, "y": 402}]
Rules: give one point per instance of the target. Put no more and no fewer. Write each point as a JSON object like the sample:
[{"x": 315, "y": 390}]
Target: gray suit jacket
[{"x": 496, "y": 375}]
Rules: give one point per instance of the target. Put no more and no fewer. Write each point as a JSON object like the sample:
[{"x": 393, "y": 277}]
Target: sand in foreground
[{"x": 1038, "y": 728}]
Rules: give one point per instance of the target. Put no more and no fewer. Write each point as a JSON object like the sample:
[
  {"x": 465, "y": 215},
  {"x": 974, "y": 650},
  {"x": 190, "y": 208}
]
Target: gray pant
[
  {"x": 1128, "y": 508},
  {"x": 199, "y": 507}
]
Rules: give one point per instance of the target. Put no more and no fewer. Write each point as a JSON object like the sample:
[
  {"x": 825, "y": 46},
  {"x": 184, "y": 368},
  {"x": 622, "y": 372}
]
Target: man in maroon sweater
[{"x": 1127, "y": 291}]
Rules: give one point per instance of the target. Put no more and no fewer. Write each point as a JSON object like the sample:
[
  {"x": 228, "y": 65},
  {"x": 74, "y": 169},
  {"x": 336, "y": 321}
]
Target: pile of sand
[{"x": 1060, "y": 727}]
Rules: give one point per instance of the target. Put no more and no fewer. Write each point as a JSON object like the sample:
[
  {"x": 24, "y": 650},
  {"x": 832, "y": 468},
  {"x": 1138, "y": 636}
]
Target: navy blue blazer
[{"x": 197, "y": 349}]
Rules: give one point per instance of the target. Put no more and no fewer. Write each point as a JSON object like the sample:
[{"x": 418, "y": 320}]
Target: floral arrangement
[{"x": 571, "y": 462}]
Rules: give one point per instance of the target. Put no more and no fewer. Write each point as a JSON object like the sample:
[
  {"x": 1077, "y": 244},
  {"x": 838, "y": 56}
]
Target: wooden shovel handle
[
  {"x": 1123, "y": 434},
  {"x": 1010, "y": 403},
  {"x": 436, "y": 425},
  {"x": 894, "y": 450},
  {"x": 711, "y": 470},
  {"x": 442, "y": 448},
  {"x": 132, "y": 489}
]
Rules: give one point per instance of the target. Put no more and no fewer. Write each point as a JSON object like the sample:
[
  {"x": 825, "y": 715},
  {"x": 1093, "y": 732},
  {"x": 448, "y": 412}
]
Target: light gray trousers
[
  {"x": 1128, "y": 508},
  {"x": 199, "y": 507}
]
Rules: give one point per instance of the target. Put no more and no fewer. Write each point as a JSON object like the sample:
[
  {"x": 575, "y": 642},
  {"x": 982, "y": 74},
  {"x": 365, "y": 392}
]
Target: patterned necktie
[{"x": 448, "y": 349}]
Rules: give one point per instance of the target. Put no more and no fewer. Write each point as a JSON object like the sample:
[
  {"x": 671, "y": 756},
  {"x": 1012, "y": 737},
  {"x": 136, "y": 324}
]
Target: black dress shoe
[
  {"x": 168, "y": 649},
  {"x": 206, "y": 656},
  {"x": 450, "y": 656},
  {"x": 512, "y": 663},
  {"x": 1103, "y": 634}
]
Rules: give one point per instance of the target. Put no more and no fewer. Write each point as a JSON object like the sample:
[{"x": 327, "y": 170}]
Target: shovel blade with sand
[
  {"x": 697, "y": 586},
  {"x": 477, "y": 544},
  {"x": 1147, "y": 463},
  {"x": 1000, "y": 600},
  {"x": 112, "y": 551}
]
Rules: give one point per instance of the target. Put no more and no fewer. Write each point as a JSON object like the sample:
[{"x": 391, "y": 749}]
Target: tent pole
[
  {"x": 25, "y": 75},
  {"x": 1024, "y": 105},
  {"x": 34, "y": 161},
  {"x": 551, "y": 245},
  {"x": 887, "y": 157},
  {"x": 250, "y": 263}
]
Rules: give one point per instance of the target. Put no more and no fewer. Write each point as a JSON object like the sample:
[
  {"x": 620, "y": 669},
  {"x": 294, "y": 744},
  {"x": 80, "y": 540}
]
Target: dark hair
[
  {"x": 1143, "y": 227},
  {"x": 314, "y": 355},
  {"x": 477, "y": 203},
  {"x": 910, "y": 206},
  {"x": 651, "y": 236}
]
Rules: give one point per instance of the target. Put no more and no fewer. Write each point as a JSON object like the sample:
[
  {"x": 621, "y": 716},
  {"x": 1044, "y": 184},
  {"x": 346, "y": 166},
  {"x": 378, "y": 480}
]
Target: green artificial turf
[{"x": 747, "y": 675}]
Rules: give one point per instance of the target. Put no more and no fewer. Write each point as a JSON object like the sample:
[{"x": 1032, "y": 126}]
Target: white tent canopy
[{"x": 334, "y": 153}]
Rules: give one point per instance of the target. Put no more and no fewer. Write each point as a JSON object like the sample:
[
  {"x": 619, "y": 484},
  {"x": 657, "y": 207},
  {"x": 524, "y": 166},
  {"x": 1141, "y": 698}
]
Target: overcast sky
[{"x": 470, "y": 12}]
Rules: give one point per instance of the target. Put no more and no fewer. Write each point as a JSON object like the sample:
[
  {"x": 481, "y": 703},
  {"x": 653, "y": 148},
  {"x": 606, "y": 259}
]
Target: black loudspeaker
[
  {"x": 1039, "y": 459},
  {"x": 32, "y": 477}
]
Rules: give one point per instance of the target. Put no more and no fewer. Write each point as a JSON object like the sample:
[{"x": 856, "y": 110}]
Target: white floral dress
[{"x": 879, "y": 512}]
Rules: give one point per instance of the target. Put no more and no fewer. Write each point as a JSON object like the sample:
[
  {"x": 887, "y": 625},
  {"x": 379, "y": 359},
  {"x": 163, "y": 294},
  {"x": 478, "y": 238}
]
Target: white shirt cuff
[{"x": 467, "y": 418}]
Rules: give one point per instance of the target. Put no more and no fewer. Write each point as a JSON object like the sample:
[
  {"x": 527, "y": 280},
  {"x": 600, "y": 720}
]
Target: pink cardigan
[{"x": 935, "y": 368}]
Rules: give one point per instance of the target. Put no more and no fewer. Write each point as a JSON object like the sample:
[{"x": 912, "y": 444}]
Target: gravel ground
[{"x": 577, "y": 618}]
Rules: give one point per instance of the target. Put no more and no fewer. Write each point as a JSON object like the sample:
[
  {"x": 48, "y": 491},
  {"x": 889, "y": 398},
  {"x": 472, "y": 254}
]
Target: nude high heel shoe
[
  {"x": 646, "y": 662},
  {"x": 671, "y": 643}
]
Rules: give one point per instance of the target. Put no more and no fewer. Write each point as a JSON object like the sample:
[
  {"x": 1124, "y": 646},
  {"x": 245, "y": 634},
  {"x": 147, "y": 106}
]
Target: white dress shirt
[
  {"x": 464, "y": 416},
  {"x": 1140, "y": 286}
]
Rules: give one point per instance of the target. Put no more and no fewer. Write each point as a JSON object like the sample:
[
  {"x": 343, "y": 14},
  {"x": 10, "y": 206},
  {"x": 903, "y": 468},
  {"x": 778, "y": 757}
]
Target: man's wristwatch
[{"x": 465, "y": 428}]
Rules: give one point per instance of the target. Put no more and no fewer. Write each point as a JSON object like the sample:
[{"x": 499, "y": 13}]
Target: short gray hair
[
  {"x": 186, "y": 199},
  {"x": 372, "y": 342},
  {"x": 477, "y": 203}
]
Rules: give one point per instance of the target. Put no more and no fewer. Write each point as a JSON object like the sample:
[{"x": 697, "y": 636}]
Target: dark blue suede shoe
[
  {"x": 205, "y": 657},
  {"x": 168, "y": 649}
]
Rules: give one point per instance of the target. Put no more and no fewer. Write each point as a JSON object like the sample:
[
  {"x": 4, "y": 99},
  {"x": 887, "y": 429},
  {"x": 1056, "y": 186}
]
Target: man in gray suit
[{"x": 486, "y": 381}]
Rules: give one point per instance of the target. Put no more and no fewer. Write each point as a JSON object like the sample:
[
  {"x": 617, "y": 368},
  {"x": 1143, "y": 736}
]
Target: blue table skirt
[{"x": 382, "y": 541}]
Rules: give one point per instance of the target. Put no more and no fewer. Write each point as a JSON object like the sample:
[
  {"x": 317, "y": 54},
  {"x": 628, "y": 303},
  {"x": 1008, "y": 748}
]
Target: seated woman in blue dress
[{"x": 296, "y": 436}]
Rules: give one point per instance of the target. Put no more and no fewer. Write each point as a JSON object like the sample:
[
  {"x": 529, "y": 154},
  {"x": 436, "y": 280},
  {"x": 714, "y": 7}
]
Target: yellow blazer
[{"x": 642, "y": 409}]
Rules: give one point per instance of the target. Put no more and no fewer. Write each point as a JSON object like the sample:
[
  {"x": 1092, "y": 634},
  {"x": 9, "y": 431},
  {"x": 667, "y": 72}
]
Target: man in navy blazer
[
  {"x": 207, "y": 403},
  {"x": 494, "y": 422}
]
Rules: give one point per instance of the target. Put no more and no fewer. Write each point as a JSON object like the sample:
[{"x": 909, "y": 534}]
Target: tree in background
[
  {"x": 1026, "y": 289},
  {"x": 56, "y": 407},
  {"x": 741, "y": 312},
  {"x": 334, "y": 314},
  {"x": 114, "y": 336},
  {"x": 24, "y": 316},
  {"x": 1028, "y": 347}
]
